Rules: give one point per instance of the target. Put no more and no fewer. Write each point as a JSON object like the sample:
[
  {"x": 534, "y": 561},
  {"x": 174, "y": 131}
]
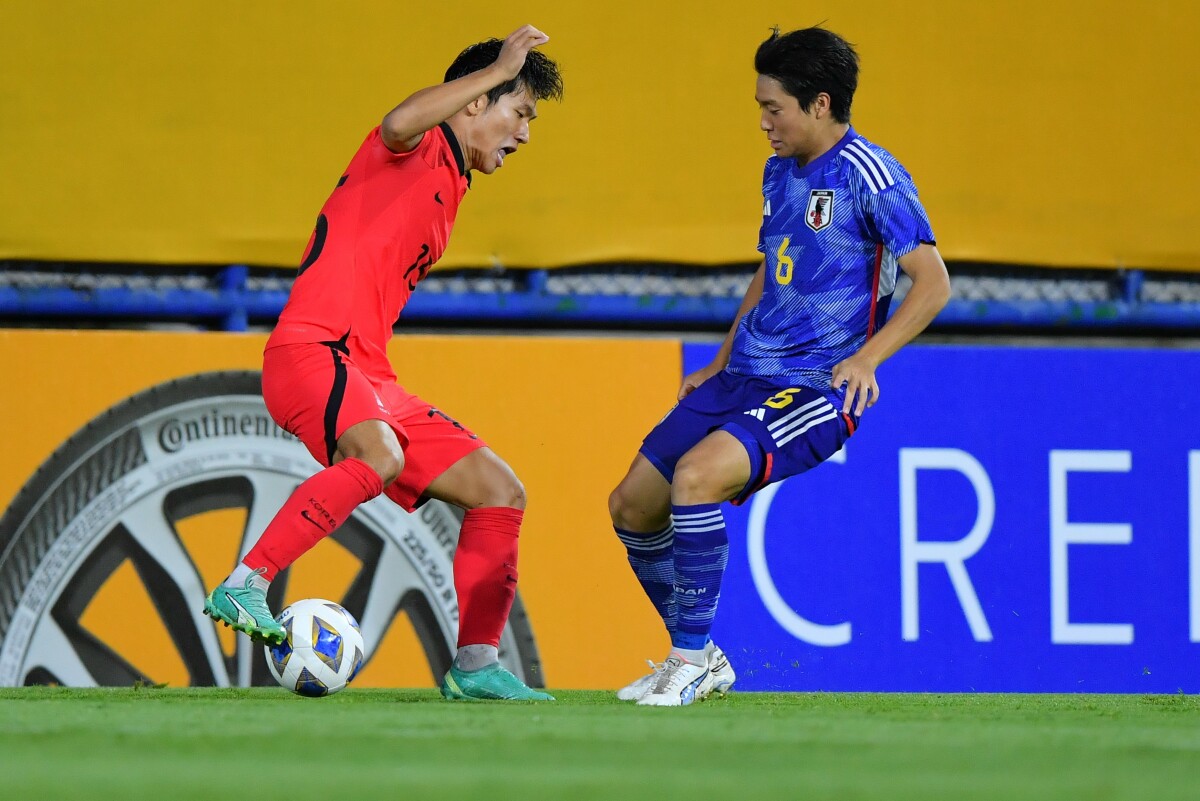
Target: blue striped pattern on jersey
[{"x": 831, "y": 235}]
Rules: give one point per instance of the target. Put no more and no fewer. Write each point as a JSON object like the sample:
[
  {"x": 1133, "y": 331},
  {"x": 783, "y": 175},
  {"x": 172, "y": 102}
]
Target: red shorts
[{"x": 316, "y": 392}]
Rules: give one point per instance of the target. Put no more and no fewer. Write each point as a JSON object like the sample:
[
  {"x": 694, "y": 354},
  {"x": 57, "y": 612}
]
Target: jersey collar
[
  {"x": 456, "y": 149},
  {"x": 823, "y": 159}
]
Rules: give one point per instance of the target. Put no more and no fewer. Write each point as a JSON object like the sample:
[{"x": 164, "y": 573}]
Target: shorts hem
[
  {"x": 410, "y": 497},
  {"x": 760, "y": 461},
  {"x": 659, "y": 465}
]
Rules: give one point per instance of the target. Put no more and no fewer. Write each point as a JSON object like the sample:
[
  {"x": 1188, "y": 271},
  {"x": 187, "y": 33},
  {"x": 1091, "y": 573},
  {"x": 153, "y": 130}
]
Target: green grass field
[{"x": 60, "y": 743}]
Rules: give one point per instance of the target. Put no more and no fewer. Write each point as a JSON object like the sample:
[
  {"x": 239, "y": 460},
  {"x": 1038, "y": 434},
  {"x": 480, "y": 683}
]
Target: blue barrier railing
[{"x": 229, "y": 303}]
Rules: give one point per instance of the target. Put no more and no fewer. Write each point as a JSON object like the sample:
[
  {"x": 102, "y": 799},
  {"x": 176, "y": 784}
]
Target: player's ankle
[
  {"x": 476, "y": 657},
  {"x": 690, "y": 655},
  {"x": 237, "y": 579}
]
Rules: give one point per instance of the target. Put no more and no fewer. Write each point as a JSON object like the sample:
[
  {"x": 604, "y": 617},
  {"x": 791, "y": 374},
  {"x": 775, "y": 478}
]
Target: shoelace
[
  {"x": 672, "y": 675},
  {"x": 254, "y": 603},
  {"x": 655, "y": 668},
  {"x": 650, "y": 679},
  {"x": 255, "y": 573}
]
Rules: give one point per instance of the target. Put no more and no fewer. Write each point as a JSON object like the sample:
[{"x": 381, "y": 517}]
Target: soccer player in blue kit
[{"x": 797, "y": 370}]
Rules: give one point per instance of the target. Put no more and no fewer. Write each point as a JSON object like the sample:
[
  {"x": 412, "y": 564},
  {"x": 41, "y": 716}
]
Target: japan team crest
[{"x": 820, "y": 209}]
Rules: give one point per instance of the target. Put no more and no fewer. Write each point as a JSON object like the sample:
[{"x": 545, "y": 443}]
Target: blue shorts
[{"x": 785, "y": 429}]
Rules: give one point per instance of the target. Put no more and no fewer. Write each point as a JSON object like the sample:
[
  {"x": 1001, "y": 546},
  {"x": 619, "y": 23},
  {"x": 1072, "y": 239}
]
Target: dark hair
[
  {"x": 539, "y": 76},
  {"x": 808, "y": 62}
]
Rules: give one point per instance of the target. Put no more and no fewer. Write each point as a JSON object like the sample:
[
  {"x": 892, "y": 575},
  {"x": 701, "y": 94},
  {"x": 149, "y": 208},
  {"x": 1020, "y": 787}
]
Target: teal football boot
[
  {"x": 491, "y": 683},
  {"x": 246, "y": 610}
]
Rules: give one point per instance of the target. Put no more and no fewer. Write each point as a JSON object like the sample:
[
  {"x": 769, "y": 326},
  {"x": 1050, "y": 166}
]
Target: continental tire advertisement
[
  {"x": 131, "y": 491},
  {"x": 141, "y": 466}
]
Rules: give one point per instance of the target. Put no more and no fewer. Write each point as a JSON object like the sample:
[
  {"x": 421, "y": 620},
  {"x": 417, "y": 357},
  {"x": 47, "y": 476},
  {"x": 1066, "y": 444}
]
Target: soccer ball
[{"x": 323, "y": 650}]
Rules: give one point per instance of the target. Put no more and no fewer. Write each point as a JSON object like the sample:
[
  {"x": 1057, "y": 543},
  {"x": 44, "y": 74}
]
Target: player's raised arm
[
  {"x": 749, "y": 301},
  {"x": 930, "y": 292},
  {"x": 404, "y": 125}
]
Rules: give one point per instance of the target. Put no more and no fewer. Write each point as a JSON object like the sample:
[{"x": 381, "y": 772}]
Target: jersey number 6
[{"x": 784, "y": 266}]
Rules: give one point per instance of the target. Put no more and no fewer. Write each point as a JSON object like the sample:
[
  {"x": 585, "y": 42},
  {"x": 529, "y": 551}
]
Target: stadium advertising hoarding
[
  {"x": 149, "y": 463},
  {"x": 944, "y": 88},
  {"x": 1005, "y": 519}
]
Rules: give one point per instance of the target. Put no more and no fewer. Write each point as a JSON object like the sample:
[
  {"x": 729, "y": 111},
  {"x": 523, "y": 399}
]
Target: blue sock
[
  {"x": 701, "y": 553},
  {"x": 653, "y": 561}
]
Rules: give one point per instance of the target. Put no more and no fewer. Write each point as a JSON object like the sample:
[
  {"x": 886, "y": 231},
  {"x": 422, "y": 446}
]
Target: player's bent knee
[
  {"x": 628, "y": 514},
  {"x": 693, "y": 483},
  {"x": 389, "y": 465},
  {"x": 502, "y": 490},
  {"x": 516, "y": 494},
  {"x": 623, "y": 513},
  {"x": 616, "y": 507},
  {"x": 387, "y": 462},
  {"x": 376, "y": 444}
]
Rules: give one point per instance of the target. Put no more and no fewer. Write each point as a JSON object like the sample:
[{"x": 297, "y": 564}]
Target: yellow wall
[
  {"x": 567, "y": 414},
  {"x": 1053, "y": 133}
]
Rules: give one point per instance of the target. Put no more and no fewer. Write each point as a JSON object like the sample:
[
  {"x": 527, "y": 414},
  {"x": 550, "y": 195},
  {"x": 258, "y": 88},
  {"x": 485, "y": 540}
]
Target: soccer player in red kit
[{"x": 326, "y": 375}]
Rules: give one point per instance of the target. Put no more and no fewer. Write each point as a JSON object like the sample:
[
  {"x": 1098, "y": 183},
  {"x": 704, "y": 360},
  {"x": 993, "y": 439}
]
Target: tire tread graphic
[
  {"x": 20, "y": 556},
  {"x": 110, "y": 447}
]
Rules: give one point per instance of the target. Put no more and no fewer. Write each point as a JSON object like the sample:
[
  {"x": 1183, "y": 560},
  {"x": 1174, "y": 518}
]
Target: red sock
[
  {"x": 314, "y": 510},
  {"x": 485, "y": 573}
]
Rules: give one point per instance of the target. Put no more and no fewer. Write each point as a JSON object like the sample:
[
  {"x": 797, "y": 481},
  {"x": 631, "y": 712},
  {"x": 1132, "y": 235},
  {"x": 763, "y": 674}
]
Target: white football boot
[
  {"x": 641, "y": 685},
  {"x": 722, "y": 671},
  {"x": 679, "y": 684},
  {"x": 718, "y": 663}
]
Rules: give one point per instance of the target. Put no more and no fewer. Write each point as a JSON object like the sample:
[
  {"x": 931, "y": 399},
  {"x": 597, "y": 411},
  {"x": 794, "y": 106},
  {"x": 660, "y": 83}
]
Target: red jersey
[{"x": 384, "y": 226}]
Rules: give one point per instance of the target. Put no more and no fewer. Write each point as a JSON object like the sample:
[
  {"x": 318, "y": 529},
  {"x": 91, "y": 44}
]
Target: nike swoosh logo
[
  {"x": 244, "y": 616},
  {"x": 438, "y": 197},
  {"x": 304, "y": 514}
]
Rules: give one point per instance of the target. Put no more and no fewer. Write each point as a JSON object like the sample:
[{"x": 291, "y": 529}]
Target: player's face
[
  {"x": 501, "y": 128},
  {"x": 790, "y": 129}
]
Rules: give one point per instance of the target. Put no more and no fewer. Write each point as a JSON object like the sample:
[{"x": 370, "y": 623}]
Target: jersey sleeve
[
  {"x": 895, "y": 214},
  {"x": 386, "y": 155}
]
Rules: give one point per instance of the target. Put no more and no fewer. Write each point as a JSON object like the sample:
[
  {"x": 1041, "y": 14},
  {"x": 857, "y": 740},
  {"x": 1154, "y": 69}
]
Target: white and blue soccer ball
[{"x": 323, "y": 650}]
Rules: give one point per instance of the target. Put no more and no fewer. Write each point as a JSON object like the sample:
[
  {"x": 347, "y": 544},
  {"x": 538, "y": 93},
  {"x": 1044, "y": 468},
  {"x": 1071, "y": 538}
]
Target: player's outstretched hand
[
  {"x": 693, "y": 380},
  {"x": 858, "y": 374},
  {"x": 516, "y": 47}
]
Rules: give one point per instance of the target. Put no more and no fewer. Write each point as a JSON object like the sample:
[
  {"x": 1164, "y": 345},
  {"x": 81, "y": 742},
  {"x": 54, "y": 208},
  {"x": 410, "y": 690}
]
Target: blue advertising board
[{"x": 1005, "y": 519}]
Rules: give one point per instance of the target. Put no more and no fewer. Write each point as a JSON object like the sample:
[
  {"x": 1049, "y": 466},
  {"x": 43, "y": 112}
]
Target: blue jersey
[{"x": 831, "y": 233}]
